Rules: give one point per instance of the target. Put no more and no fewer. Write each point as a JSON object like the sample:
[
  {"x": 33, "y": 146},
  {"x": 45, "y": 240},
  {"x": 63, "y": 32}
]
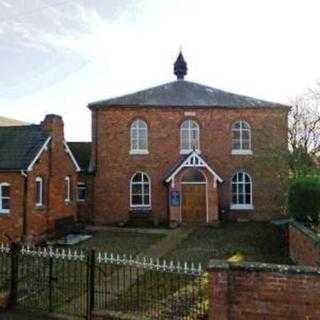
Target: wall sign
[
  {"x": 189, "y": 113},
  {"x": 175, "y": 198}
]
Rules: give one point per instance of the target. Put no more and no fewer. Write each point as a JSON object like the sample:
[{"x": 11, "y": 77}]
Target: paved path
[
  {"x": 169, "y": 243},
  {"x": 132, "y": 230}
]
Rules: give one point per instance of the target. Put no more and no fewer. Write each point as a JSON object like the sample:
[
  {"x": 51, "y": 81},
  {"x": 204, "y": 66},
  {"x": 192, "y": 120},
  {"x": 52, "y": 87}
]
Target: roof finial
[{"x": 180, "y": 67}]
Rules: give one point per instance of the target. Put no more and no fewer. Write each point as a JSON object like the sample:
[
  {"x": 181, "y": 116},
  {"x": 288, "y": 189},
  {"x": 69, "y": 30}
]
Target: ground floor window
[
  {"x": 4, "y": 198},
  {"x": 140, "y": 190},
  {"x": 81, "y": 191},
  {"x": 241, "y": 191}
]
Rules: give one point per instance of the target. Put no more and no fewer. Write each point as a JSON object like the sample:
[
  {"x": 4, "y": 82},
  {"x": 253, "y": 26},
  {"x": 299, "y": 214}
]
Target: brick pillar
[{"x": 218, "y": 290}]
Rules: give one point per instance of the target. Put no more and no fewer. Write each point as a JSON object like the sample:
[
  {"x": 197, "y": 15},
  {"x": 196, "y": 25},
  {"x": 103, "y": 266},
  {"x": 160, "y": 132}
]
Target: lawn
[
  {"x": 246, "y": 241},
  {"x": 121, "y": 242}
]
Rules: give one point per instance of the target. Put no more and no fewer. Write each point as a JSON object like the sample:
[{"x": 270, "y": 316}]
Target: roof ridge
[{"x": 21, "y": 126}]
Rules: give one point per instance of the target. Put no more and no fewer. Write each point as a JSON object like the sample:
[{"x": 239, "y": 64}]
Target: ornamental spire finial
[{"x": 180, "y": 67}]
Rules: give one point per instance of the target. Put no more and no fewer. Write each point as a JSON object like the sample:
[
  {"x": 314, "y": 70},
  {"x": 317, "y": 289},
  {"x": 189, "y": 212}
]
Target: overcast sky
[{"x": 58, "y": 55}]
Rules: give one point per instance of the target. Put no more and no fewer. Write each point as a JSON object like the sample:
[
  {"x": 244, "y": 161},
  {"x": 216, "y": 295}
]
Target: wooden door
[{"x": 193, "y": 208}]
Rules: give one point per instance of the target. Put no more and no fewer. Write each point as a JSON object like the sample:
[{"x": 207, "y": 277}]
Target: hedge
[{"x": 304, "y": 199}]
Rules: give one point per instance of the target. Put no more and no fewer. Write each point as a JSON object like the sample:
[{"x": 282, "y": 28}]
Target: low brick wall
[
  {"x": 304, "y": 245},
  {"x": 263, "y": 291}
]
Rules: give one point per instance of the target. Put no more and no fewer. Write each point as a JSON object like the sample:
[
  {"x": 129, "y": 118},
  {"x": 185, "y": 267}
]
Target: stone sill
[
  {"x": 138, "y": 153},
  {"x": 242, "y": 152},
  {"x": 242, "y": 207}
]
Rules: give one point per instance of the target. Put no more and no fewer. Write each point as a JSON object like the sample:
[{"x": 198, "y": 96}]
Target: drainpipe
[{"x": 24, "y": 205}]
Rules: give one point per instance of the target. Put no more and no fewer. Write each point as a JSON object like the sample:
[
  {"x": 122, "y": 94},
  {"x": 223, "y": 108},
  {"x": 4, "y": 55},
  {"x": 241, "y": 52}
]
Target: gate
[{"x": 52, "y": 281}]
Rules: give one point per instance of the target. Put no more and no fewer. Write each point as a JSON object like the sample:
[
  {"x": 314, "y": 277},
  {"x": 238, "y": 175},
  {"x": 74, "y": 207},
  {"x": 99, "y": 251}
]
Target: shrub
[{"x": 304, "y": 200}]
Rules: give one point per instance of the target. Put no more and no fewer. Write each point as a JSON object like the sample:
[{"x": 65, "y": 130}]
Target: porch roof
[{"x": 191, "y": 160}]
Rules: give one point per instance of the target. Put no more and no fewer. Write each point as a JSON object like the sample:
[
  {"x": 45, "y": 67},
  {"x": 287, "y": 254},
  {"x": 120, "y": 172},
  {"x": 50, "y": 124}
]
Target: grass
[{"x": 247, "y": 241}]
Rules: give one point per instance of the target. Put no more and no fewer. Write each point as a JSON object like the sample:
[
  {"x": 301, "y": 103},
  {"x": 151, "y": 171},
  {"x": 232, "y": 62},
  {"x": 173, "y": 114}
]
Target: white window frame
[
  {"x": 241, "y": 151},
  {"x": 67, "y": 189},
  {"x": 40, "y": 181},
  {"x": 4, "y": 211},
  {"x": 141, "y": 126},
  {"x": 238, "y": 206},
  {"x": 81, "y": 185},
  {"x": 189, "y": 130},
  {"x": 143, "y": 194}
]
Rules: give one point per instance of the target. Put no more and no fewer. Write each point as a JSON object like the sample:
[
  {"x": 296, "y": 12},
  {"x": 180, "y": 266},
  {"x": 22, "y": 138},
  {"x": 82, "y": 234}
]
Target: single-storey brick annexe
[{"x": 38, "y": 174}]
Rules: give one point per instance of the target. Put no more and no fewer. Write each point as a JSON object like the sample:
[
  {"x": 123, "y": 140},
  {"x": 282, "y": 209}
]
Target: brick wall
[
  {"x": 114, "y": 166},
  {"x": 11, "y": 224},
  {"x": 304, "y": 245},
  {"x": 263, "y": 291}
]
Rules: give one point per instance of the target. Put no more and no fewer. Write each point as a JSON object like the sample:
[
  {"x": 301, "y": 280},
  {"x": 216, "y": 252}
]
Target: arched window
[
  {"x": 4, "y": 198},
  {"x": 193, "y": 176},
  {"x": 140, "y": 190},
  {"x": 241, "y": 191},
  {"x": 241, "y": 138},
  {"x": 190, "y": 136},
  {"x": 139, "y": 137}
]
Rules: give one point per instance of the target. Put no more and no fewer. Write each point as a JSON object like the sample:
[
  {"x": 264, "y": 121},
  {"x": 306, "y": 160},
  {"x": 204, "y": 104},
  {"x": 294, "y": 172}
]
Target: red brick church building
[{"x": 183, "y": 152}]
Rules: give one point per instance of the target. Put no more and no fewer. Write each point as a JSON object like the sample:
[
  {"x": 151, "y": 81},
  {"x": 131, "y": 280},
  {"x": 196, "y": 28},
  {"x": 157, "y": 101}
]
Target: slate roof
[
  {"x": 19, "y": 145},
  {"x": 82, "y": 153},
  {"x": 181, "y": 93},
  {"x": 7, "y": 122}
]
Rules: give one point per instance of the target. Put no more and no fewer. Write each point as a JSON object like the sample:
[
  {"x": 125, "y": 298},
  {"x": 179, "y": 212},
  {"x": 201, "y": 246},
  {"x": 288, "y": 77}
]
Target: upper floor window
[
  {"x": 39, "y": 191},
  {"x": 241, "y": 191},
  {"x": 140, "y": 189},
  {"x": 139, "y": 137},
  {"x": 67, "y": 189},
  {"x": 190, "y": 136},
  {"x": 241, "y": 138},
  {"x": 81, "y": 191},
  {"x": 4, "y": 198}
]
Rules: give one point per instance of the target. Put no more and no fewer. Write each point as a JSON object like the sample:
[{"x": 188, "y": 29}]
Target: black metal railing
[
  {"x": 5, "y": 268},
  {"x": 149, "y": 288},
  {"x": 78, "y": 283}
]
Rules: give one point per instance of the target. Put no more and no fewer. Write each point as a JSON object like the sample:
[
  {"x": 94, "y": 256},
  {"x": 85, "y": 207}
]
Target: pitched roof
[
  {"x": 6, "y": 122},
  {"x": 82, "y": 153},
  {"x": 183, "y": 93},
  {"x": 19, "y": 145},
  {"x": 190, "y": 160}
]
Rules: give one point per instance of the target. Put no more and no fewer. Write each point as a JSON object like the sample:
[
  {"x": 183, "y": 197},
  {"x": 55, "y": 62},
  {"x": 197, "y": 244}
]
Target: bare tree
[{"x": 304, "y": 132}]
